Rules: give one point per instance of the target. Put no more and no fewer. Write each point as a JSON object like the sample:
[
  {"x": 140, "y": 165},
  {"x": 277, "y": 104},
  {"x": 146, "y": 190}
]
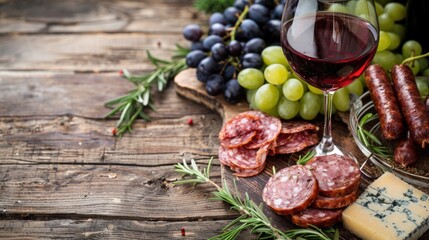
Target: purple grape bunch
[{"x": 233, "y": 44}]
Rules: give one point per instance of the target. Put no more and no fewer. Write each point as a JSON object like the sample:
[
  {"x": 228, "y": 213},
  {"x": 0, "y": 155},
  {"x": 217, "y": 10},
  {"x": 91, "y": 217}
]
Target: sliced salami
[
  {"x": 223, "y": 156},
  {"x": 297, "y": 126},
  {"x": 290, "y": 190},
  {"x": 267, "y": 132},
  {"x": 296, "y": 142},
  {"x": 336, "y": 202},
  {"x": 247, "y": 172},
  {"x": 317, "y": 217},
  {"x": 239, "y": 140},
  {"x": 238, "y": 125},
  {"x": 337, "y": 175},
  {"x": 244, "y": 158}
]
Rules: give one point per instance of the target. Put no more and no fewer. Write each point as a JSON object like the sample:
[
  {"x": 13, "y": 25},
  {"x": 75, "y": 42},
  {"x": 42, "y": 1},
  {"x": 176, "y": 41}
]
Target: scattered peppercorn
[
  {"x": 183, "y": 231},
  {"x": 114, "y": 131},
  {"x": 190, "y": 121}
]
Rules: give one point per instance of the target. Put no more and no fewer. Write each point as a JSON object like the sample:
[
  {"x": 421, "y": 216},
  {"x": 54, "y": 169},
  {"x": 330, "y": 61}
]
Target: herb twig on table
[
  {"x": 135, "y": 103},
  {"x": 252, "y": 216},
  {"x": 369, "y": 139}
]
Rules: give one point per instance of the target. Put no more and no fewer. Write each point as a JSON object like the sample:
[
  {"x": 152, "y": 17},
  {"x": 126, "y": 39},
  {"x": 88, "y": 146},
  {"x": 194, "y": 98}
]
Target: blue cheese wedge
[{"x": 388, "y": 209}]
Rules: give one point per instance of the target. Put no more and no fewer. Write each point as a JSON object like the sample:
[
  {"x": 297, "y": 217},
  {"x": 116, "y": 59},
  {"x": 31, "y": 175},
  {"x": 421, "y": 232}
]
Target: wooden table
[{"x": 62, "y": 172}]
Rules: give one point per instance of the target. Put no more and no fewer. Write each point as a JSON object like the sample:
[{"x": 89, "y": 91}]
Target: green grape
[
  {"x": 309, "y": 106},
  {"x": 251, "y": 78},
  {"x": 314, "y": 90},
  {"x": 250, "y": 97},
  {"x": 361, "y": 7},
  {"x": 399, "y": 58},
  {"x": 423, "y": 85},
  {"x": 384, "y": 42},
  {"x": 293, "y": 89},
  {"x": 294, "y": 75},
  {"x": 399, "y": 29},
  {"x": 276, "y": 74},
  {"x": 288, "y": 109},
  {"x": 411, "y": 48},
  {"x": 266, "y": 97},
  {"x": 351, "y": 6},
  {"x": 362, "y": 80},
  {"x": 341, "y": 99},
  {"x": 272, "y": 111},
  {"x": 355, "y": 87},
  {"x": 385, "y": 22},
  {"x": 396, "y": 11},
  {"x": 424, "y": 63},
  {"x": 337, "y": 7},
  {"x": 395, "y": 41},
  {"x": 426, "y": 72},
  {"x": 386, "y": 59},
  {"x": 322, "y": 107},
  {"x": 274, "y": 54},
  {"x": 379, "y": 9},
  {"x": 415, "y": 66}
]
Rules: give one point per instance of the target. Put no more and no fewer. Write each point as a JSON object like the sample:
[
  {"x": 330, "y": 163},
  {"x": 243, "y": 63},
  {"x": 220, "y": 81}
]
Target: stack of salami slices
[
  {"x": 315, "y": 193},
  {"x": 247, "y": 139}
]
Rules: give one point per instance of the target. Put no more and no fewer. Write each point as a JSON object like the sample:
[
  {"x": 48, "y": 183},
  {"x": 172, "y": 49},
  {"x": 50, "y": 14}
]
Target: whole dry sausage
[
  {"x": 413, "y": 109},
  {"x": 406, "y": 152},
  {"x": 385, "y": 103}
]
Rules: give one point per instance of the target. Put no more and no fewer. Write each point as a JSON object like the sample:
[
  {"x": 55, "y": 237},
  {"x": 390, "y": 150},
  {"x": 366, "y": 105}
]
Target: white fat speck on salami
[
  {"x": 290, "y": 190},
  {"x": 317, "y": 217},
  {"x": 267, "y": 132},
  {"x": 337, "y": 175}
]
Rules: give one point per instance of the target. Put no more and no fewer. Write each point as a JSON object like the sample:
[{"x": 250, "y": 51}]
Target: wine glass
[{"x": 329, "y": 43}]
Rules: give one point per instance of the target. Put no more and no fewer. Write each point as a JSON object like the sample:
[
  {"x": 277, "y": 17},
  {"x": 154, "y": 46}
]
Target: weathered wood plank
[
  {"x": 113, "y": 191},
  {"x": 50, "y": 16},
  {"x": 85, "y": 52},
  {"x": 111, "y": 229}
]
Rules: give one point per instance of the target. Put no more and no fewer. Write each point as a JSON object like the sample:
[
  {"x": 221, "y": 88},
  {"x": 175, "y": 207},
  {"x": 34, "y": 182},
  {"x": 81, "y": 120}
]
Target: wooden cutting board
[{"x": 189, "y": 87}]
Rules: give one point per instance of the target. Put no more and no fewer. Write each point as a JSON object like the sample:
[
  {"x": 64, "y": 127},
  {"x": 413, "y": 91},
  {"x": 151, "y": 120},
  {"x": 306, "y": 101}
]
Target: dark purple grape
[
  {"x": 240, "y": 4},
  {"x": 250, "y": 29},
  {"x": 235, "y": 48},
  {"x": 209, "y": 66},
  {"x": 231, "y": 15},
  {"x": 211, "y": 40},
  {"x": 229, "y": 72},
  {"x": 219, "y": 52},
  {"x": 217, "y": 17},
  {"x": 233, "y": 91},
  {"x": 255, "y": 45},
  {"x": 278, "y": 11},
  {"x": 266, "y": 3},
  {"x": 217, "y": 29},
  {"x": 193, "y": 58},
  {"x": 201, "y": 76},
  {"x": 272, "y": 30},
  {"x": 192, "y": 32},
  {"x": 197, "y": 46},
  {"x": 215, "y": 84},
  {"x": 259, "y": 13},
  {"x": 252, "y": 60}
]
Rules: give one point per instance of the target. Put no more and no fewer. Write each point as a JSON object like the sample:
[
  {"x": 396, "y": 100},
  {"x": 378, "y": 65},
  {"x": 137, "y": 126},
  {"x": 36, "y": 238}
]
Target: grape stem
[
  {"x": 410, "y": 59},
  {"x": 237, "y": 24}
]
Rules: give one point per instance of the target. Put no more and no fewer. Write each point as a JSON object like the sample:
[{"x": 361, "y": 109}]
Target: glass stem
[{"x": 327, "y": 145}]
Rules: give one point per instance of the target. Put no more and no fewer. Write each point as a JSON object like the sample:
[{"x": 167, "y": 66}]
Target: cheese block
[{"x": 388, "y": 209}]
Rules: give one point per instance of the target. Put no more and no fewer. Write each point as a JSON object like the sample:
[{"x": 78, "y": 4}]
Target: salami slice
[
  {"x": 296, "y": 142},
  {"x": 244, "y": 158},
  {"x": 336, "y": 202},
  {"x": 238, "y": 125},
  {"x": 291, "y": 190},
  {"x": 267, "y": 132},
  {"x": 247, "y": 172},
  {"x": 317, "y": 217},
  {"x": 298, "y": 126},
  {"x": 337, "y": 175},
  {"x": 223, "y": 156},
  {"x": 239, "y": 140}
]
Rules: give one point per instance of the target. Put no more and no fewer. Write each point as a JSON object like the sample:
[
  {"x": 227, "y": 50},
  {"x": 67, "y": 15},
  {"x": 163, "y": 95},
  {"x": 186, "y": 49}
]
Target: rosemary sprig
[
  {"x": 369, "y": 139},
  {"x": 302, "y": 160},
  {"x": 133, "y": 104},
  {"x": 212, "y": 5},
  {"x": 252, "y": 216}
]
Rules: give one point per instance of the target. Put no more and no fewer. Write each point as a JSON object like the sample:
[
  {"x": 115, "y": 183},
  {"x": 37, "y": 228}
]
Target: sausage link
[
  {"x": 383, "y": 96},
  {"x": 412, "y": 106},
  {"x": 406, "y": 152}
]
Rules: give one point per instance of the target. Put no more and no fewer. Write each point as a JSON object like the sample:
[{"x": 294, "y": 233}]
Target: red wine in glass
[{"x": 329, "y": 50}]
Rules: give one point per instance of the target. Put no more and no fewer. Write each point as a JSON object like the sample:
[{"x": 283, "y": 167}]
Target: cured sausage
[
  {"x": 296, "y": 142},
  {"x": 413, "y": 109},
  {"x": 385, "y": 103},
  {"x": 268, "y": 131},
  {"x": 336, "y": 202},
  {"x": 239, "y": 140},
  {"x": 238, "y": 125},
  {"x": 290, "y": 190},
  {"x": 406, "y": 152},
  {"x": 317, "y": 217},
  {"x": 337, "y": 175},
  {"x": 298, "y": 126}
]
